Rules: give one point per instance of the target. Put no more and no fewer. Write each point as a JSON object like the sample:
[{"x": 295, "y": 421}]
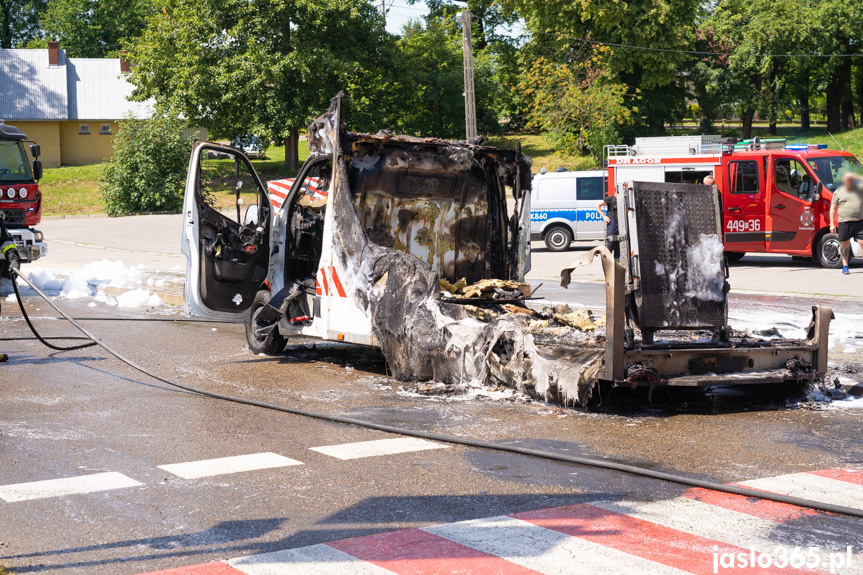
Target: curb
[{"x": 80, "y": 216}]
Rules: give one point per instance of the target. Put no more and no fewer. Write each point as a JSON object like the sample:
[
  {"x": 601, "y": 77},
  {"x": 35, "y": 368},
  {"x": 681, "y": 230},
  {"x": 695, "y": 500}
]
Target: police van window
[
  {"x": 743, "y": 177},
  {"x": 556, "y": 190},
  {"x": 589, "y": 189},
  {"x": 792, "y": 178}
]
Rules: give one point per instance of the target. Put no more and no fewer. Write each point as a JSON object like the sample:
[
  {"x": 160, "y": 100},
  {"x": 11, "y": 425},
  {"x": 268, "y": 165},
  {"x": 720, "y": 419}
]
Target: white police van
[{"x": 563, "y": 208}]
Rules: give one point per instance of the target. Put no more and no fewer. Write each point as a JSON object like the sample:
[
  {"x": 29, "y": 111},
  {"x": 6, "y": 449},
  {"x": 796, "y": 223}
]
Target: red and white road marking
[{"x": 679, "y": 535}]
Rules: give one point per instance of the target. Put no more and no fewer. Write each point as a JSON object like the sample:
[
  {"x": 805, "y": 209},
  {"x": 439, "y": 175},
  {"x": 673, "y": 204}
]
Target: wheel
[
  {"x": 734, "y": 257},
  {"x": 829, "y": 254},
  {"x": 558, "y": 238},
  {"x": 271, "y": 344}
]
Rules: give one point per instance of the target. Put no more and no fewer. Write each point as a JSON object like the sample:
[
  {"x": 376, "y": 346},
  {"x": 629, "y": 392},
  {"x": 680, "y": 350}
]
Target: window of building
[
  {"x": 105, "y": 130},
  {"x": 84, "y": 129}
]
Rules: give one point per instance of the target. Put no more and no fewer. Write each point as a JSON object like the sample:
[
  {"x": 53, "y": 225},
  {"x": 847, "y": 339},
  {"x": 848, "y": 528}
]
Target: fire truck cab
[
  {"x": 775, "y": 196},
  {"x": 20, "y": 198}
]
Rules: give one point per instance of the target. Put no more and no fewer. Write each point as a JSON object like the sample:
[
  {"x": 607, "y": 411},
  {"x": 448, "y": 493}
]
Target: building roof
[
  {"x": 32, "y": 90},
  {"x": 75, "y": 89}
]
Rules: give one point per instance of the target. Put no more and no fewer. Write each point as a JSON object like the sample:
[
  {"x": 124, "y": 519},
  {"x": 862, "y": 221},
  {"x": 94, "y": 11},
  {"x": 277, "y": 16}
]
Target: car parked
[{"x": 563, "y": 208}]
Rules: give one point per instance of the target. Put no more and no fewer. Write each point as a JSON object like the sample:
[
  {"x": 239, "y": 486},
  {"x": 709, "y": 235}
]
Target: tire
[
  {"x": 271, "y": 344},
  {"x": 828, "y": 253},
  {"x": 558, "y": 239},
  {"x": 734, "y": 257}
]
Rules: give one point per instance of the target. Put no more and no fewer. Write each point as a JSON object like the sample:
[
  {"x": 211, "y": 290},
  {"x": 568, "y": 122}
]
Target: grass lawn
[
  {"x": 72, "y": 190},
  {"x": 543, "y": 155}
]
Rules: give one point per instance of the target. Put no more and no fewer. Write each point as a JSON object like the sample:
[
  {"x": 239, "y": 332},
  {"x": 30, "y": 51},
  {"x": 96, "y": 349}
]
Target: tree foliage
[
  {"x": 267, "y": 67},
  {"x": 576, "y": 103},
  {"x": 93, "y": 28},
  {"x": 148, "y": 170},
  {"x": 662, "y": 25},
  {"x": 19, "y": 21},
  {"x": 431, "y": 91}
]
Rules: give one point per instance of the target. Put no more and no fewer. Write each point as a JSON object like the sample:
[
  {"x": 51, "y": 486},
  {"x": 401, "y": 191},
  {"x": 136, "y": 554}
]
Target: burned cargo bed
[{"x": 671, "y": 281}]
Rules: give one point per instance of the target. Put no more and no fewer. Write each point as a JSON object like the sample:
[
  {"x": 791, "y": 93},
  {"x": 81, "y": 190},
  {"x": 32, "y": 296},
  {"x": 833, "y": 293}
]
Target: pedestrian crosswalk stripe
[
  {"x": 544, "y": 550},
  {"x": 848, "y": 475},
  {"x": 762, "y": 508},
  {"x": 313, "y": 560},
  {"x": 634, "y": 537},
  {"x": 225, "y": 465},
  {"x": 811, "y": 486},
  {"x": 66, "y": 486},
  {"x": 683, "y": 534},
  {"x": 418, "y": 552},
  {"x": 378, "y": 447}
]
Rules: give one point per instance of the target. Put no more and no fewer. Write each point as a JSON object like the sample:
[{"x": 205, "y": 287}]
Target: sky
[{"x": 400, "y": 12}]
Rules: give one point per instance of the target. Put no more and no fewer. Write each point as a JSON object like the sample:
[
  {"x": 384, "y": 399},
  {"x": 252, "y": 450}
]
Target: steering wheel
[{"x": 5, "y": 171}]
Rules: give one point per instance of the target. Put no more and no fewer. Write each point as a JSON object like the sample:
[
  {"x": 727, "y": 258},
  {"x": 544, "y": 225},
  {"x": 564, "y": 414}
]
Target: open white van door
[{"x": 226, "y": 233}]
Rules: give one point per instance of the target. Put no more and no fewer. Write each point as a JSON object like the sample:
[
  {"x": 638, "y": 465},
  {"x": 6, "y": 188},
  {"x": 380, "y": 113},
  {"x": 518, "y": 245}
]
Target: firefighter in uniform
[{"x": 9, "y": 258}]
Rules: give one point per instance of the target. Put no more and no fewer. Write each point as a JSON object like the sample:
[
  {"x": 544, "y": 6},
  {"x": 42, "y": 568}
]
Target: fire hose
[{"x": 537, "y": 453}]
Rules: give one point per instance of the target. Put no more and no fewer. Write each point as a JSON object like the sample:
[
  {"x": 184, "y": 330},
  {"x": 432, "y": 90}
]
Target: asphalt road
[
  {"x": 74, "y": 414},
  {"x": 80, "y": 413}
]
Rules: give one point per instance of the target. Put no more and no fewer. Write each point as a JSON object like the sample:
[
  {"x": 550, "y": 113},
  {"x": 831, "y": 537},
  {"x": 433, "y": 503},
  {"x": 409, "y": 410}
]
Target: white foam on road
[
  {"x": 91, "y": 280},
  {"x": 314, "y": 560},
  {"x": 378, "y": 447},
  {"x": 138, "y": 298},
  {"x": 811, "y": 486},
  {"x": 544, "y": 550},
  {"x": 66, "y": 486},
  {"x": 225, "y": 465}
]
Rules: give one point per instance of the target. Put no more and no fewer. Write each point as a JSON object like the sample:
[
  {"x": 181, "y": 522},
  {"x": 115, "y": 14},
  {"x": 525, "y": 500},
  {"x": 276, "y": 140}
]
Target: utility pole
[
  {"x": 469, "y": 97},
  {"x": 384, "y": 11}
]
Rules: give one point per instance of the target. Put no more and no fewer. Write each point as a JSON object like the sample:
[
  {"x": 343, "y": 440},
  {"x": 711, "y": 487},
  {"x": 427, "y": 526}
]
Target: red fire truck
[
  {"x": 776, "y": 196},
  {"x": 20, "y": 198}
]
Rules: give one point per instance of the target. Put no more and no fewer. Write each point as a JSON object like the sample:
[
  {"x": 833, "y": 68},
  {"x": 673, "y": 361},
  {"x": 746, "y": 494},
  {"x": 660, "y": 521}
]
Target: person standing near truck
[
  {"x": 848, "y": 204},
  {"x": 612, "y": 229}
]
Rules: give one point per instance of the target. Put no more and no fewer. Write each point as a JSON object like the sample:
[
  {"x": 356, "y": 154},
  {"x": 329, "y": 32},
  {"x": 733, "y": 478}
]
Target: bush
[{"x": 148, "y": 171}]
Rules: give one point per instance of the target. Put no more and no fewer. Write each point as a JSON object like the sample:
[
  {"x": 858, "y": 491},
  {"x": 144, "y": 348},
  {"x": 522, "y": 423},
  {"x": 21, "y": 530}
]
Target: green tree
[
  {"x": 577, "y": 104},
  {"x": 433, "y": 82},
  {"x": 93, "y": 28},
  {"x": 268, "y": 67},
  {"x": 837, "y": 34},
  {"x": 19, "y": 21},
  {"x": 762, "y": 32},
  {"x": 664, "y": 26},
  {"x": 148, "y": 170}
]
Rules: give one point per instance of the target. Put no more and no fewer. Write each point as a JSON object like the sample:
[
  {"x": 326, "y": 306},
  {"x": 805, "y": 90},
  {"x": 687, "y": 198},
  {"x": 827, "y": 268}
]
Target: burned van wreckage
[{"x": 420, "y": 246}]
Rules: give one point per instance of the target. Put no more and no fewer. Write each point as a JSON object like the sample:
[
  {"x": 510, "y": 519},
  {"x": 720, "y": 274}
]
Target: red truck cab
[
  {"x": 775, "y": 196},
  {"x": 20, "y": 197}
]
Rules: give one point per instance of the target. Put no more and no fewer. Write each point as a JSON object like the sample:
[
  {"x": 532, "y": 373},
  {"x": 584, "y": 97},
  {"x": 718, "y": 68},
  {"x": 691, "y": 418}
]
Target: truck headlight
[
  {"x": 22, "y": 193},
  {"x": 38, "y": 236},
  {"x": 10, "y": 193}
]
